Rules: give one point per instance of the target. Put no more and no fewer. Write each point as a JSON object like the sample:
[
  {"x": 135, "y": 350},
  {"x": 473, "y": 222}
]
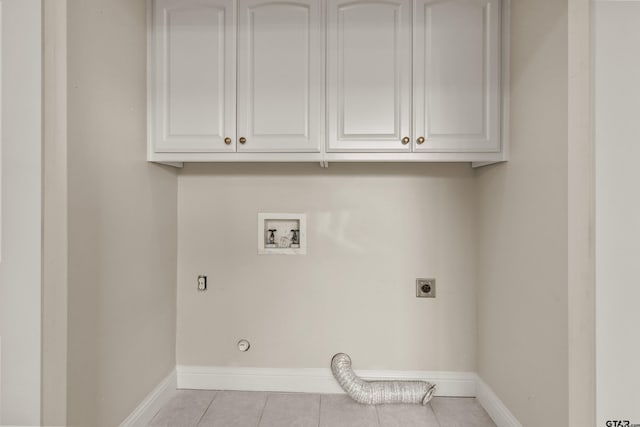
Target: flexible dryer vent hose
[{"x": 377, "y": 392}]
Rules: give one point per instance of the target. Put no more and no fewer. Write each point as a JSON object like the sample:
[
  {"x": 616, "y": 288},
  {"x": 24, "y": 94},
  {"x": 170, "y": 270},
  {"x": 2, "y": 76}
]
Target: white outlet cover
[{"x": 282, "y": 223}]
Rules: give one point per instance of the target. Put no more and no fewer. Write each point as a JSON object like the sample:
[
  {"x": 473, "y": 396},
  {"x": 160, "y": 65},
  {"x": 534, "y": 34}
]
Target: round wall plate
[{"x": 243, "y": 345}]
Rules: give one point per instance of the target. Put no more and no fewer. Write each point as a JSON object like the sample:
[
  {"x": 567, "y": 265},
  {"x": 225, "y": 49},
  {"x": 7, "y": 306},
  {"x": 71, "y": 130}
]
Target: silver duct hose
[{"x": 377, "y": 392}]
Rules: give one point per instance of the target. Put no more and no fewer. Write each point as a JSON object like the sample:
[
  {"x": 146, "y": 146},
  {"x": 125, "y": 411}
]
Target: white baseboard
[
  {"x": 320, "y": 380},
  {"x": 312, "y": 380},
  {"x": 494, "y": 406},
  {"x": 151, "y": 404}
]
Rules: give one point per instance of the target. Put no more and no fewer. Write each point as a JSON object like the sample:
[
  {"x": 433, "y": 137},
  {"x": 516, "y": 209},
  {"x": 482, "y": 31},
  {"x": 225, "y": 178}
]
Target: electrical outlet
[
  {"x": 426, "y": 288},
  {"x": 202, "y": 283}
]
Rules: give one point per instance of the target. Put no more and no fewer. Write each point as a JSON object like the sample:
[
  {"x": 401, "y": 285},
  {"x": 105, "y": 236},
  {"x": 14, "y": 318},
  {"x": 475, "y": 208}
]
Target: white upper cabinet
[
  {"x": 280, "y": 76},
  {"x": 369, "y": 75},
  {"x": 327, "y": 80},
  {"x": 456, "y": 71},
  {"x": 193, "y": 102}
]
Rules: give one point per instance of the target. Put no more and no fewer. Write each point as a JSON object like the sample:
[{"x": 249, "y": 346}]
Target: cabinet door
[
  {"x": 194, "y": 61},
  {"x": 369, "y": 75},
  {"x": 457, "y": 75},
  {"x": 280, "y": 76}
]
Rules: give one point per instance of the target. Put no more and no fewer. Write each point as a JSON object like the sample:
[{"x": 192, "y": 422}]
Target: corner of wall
[
  {"x": 54, "y": 288},
  {"x": 522, "y": 245},
  {"x": 122, "y": 220}
]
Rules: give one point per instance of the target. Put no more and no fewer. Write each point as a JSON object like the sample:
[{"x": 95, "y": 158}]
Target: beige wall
[
  {"x": 372, "y": 230},
  {"x": 618, "y": 209},
  {"x": 581, "y": 214},
  {"x": 121, "y": 217},
  {"x": 20, "y": 211},
  {"x": 522, "y": 225}
]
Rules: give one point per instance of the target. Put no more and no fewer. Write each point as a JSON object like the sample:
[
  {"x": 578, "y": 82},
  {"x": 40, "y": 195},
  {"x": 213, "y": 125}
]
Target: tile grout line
[
  {"x": 377, "y": 415},
  {"x": 319, "y": 410},
  {"x": 435, "y": 415},
  {"x": 215, "y": 396},
  {"x": 156, "y": 415},
  {"x": 263, "y": 406}
]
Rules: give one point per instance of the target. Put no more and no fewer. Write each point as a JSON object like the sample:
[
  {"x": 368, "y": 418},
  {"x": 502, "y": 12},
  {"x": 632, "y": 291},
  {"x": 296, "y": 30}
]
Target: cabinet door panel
[
  {"x": 369, "y": 86},
  {"x": 456, "y": 75},
  {"x": 280, "y": 75},
  {"x": 194, "y": 56}
]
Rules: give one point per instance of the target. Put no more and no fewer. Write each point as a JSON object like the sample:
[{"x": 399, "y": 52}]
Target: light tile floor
[{"x": 197, "y": 408}]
